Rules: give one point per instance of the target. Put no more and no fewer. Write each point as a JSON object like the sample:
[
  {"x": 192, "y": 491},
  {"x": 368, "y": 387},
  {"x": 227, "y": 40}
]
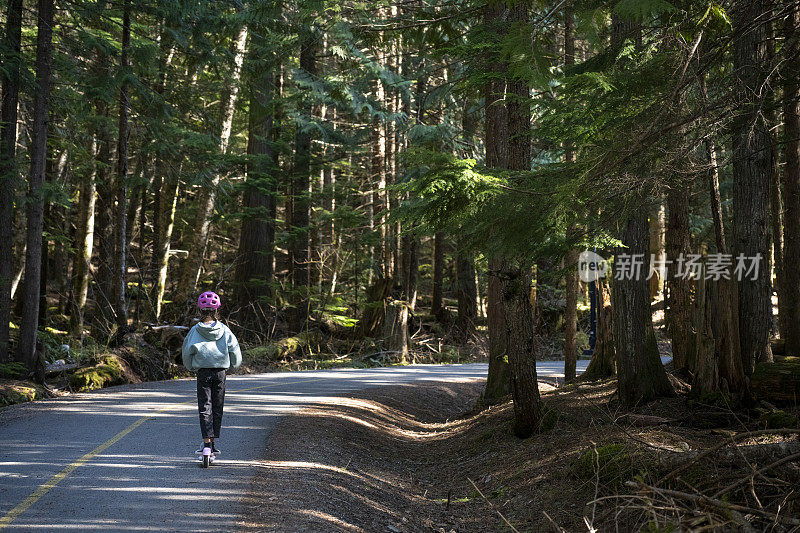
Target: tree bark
[
  {"x": 571, "y": 281},
  {"x": 657, "y": 247},
  {"x": 254, "y": 267},
  {"x": 202, "y": 224},
  {"x": 791, "y": 182},
  {"x": 706, "y": 376},
  {"x": 516, "y": 293},
  {"x": 120, "y": 214},
  {"x": 33, "y": 256},
  {"x": 301, "y": 174},
  {"x": 498, "y": 380},
  {"x": 167, "y": 205},
  {"x": 522, "y": 347},
  {"x": 9, "y": 74},
  {"x": 467, "y": 294},
  {"x": 84, "y": 240},
  {"x": 437, "y": 302},
  {"x": 727, "y": 337},
  {"x": 571, "y": 316},
  {"x": 752, "y": 164},
  {"x": 679, "y": 318},
  {"x": 641, "y": 376}
]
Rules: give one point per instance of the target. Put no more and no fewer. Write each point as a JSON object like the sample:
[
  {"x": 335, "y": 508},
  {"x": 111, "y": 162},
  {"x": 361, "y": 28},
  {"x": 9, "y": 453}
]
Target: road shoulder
[{"x": 365, "y": 462}]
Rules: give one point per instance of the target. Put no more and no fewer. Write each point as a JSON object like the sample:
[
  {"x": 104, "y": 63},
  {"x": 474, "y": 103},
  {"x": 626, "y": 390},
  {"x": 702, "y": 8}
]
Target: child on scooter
[{"x": 210, "y": 349}]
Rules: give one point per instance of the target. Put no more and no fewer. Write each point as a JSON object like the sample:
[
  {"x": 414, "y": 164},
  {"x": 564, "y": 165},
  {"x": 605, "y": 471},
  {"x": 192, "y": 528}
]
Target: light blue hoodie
[{"x": 211, "y": 345}]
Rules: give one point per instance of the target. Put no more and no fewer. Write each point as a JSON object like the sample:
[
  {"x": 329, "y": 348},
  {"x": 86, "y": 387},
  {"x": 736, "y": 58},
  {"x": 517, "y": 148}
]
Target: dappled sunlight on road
[{"x": 149, "y": 471}]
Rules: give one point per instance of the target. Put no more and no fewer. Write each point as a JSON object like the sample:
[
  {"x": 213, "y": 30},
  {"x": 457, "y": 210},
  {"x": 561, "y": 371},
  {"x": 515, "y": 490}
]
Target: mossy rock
[
  {"x": 615, "y": 462},
  {"x": 104, "y": 374},
  {"x": 778, "y": 420},
  {"x": 13, "y": 391}
]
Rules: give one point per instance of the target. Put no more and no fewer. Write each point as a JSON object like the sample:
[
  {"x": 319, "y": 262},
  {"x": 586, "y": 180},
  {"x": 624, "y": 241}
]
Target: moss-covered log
[
  {"x": 285, "y": 348},
  {"x": 112, "y": 370},
  {"x": 778, "y": 381},
  {"x": 14, "y": 391}
]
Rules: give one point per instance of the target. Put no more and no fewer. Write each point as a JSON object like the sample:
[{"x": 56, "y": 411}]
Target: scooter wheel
[{"x": 206, "y": 461}]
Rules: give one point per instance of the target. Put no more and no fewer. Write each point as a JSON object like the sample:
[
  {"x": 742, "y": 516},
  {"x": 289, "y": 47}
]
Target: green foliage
[{"x": 12, "y": 369}]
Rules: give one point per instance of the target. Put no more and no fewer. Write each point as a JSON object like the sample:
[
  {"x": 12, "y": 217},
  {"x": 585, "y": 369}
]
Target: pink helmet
[{"x": 209, "y": 300}]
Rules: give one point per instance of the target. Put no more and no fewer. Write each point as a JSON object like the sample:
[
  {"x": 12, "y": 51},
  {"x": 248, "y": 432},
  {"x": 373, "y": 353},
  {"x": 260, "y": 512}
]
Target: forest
[{"x": 408, "y": 181}]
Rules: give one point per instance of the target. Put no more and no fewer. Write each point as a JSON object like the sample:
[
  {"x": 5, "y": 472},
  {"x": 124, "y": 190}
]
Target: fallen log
[{"x": 777, "y": 382}]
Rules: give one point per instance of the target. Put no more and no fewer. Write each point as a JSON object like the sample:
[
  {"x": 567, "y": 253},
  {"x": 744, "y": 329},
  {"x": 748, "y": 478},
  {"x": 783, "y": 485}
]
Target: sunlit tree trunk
[
  {"x": 84, "y": 240},
  {"x": 205, "y": 204}
]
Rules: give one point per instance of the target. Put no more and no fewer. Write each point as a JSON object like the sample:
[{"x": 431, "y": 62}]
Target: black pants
[{"x": 210, "y": 400}]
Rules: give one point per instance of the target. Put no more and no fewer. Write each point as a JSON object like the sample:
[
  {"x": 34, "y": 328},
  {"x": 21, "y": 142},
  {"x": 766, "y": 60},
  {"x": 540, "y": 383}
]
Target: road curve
[{"x": 122, "y": 459}]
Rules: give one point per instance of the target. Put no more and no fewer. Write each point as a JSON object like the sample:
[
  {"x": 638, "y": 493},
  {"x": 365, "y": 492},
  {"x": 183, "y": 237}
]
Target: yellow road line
[{"x": 67, "y": 470}]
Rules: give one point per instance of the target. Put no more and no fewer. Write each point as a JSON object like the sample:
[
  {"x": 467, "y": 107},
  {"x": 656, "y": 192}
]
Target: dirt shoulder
[
  {"x": 404, "y": 458},
  {"x": 368, "y": 462}
]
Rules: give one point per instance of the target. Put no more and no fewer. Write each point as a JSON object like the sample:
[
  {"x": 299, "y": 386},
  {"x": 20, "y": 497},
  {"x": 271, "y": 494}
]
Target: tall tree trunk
[
  {"x": 791, "y": 182},
  {"x": 254, "y": 268},
  {"x": 9, "y": 75},
  {"x": 522, "y": 347},
  {"x": 467, "y": 294},
  {"x": 301, "y": 175},
  {"x": 498, "y": 380},
  {"x": 84, "y": 240},
  {"x": 641, "y": 376},
  {"x": 657, "y": 247},
  {"x": 679, "y": 313},
  {"x": 571, "y": 282},
  {"x": 517, "y": 308},
  {"x": 437, "y": 302},
  {"x": 30, "y": 307},
  {"x": 202, "y": 224},
  {"x": 104, "y": 223},
  {"x": 164, "y": 192},
  {"x": 727, "y": 335},
  {"x": 379, "y": 184},
  {"x": 752, "y": 164},
  {"x": 120, "y": 213},
  {"x": 571, "y": 316}
]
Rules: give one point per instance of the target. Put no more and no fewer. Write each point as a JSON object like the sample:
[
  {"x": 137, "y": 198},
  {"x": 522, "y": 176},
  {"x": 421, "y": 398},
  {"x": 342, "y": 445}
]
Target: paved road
[{"x": 122, "y": 458}]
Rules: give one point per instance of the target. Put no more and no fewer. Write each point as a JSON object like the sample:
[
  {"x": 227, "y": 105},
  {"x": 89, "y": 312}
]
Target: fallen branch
[
  {"x": 495, "y": 508},
  {"x": 740, "y": 436},
  {"x": 713, "y": 502},
  {"x": 779, "y": 462},
  {"x": 553, "y": 524}
]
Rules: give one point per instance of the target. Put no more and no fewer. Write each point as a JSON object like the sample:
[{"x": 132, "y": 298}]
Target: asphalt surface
[{"x": 122, "y": 459}]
